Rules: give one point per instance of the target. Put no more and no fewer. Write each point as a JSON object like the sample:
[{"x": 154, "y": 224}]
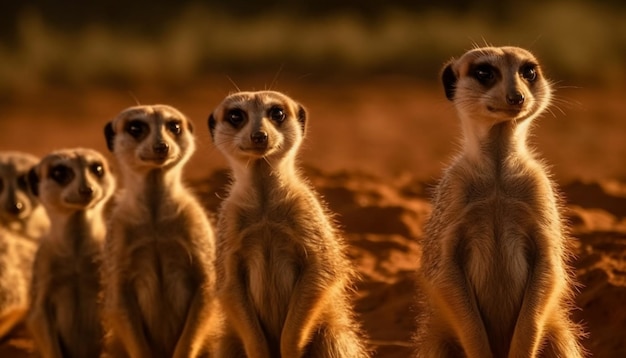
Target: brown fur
[
  {"x": 494, "y": 277},
  {"x": 285, "y": 279},
  {"x": 64, "y": 314},
  {"x": 160, "y": 254}
]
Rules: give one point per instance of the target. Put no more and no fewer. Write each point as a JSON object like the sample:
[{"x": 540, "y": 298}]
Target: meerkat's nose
[
  {"x": 161, "y": 148},
  {"x": 259, "y": 137},
  {"x": 15, "y": 207},
  {"x": 85, "y": 191},
  {"x": 515, "y": 99}
]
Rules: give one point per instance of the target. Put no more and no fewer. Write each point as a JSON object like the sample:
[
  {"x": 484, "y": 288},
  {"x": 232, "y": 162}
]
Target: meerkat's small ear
[
  {"x": 302, "y": 118},
  {"x": 33, "y": 181},
  {"x": 212, "y": 123},
  {"x": 109, "y": 135},
  {"x": 190, "y": 125},
  {"x": 449, "y": 80}
]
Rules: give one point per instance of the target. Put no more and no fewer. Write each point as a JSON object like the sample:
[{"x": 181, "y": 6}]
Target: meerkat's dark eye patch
[
  {"x": 277, "y": 114},
  {"x": 137, "y": 129},
  {"x": 529, "y": 72},
  {"x": 484, "y": 73},
  {"x": 175, "y": 127},
  {"x": 1, "y": 185},
  {"x": 62, "y": 174},
  {"x": 235, "y": 117},
  {"x": 97, "y": 169},
  {"x": 22, "y": 182}
]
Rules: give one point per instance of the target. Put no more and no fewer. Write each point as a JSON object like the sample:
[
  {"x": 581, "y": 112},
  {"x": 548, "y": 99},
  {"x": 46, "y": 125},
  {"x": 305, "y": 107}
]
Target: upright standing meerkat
[
  {"x": 22, "y": 222},
  {"x": 64, "y": 317},
  {"x": 160, "y": 250},
  {"x": 494, "y": 268},
  {"x": 283, "y": 272}
]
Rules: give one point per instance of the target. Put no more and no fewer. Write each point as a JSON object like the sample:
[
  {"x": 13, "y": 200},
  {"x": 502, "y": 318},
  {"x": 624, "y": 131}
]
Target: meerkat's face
[
  {"x": 72, "y": 179},
  {"x": 253, "y": 125},
  {"x": 16, "y": 201},
  {"x": 150, "y": 137},
  {"x": 497, "y": 84}
]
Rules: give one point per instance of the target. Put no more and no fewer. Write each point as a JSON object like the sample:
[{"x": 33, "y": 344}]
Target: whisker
[
  {"x": 132, "y": 95},
  {"x": 233, "y": 83},
  {"x": 268, "y": 163},
  {"x": 275, "y": 79}
]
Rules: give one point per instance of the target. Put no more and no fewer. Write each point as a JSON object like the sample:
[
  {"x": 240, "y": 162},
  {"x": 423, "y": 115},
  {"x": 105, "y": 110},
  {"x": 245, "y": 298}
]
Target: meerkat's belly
[
  {"x": 273, "y": 270},
  {"x": 162, "y": 283},
  {"x": 498, "y": 250},
  {"x": 75, "y": 298}
]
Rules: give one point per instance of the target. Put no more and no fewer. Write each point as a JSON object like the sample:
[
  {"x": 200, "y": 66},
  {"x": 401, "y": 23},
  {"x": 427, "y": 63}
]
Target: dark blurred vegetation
[{"x": 118, "y": 43}]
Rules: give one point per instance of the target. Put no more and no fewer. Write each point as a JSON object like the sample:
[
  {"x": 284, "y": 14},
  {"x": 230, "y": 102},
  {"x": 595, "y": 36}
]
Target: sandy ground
[{"x": 373, "y": 151}]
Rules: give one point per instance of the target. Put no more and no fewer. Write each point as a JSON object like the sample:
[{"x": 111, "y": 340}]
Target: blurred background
[{"x": 368, "y": 71}]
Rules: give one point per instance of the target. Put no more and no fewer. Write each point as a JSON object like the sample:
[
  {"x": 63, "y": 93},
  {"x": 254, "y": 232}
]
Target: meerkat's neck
[
  {"x": 37, "y": 225},
  {"x": 138, "y": 185},
  {"x": 261, "y": 175},
  {"x": 149, "y": 192},
  {"x": 71, "y": 229},
  {"x": 484, "y": 139}
]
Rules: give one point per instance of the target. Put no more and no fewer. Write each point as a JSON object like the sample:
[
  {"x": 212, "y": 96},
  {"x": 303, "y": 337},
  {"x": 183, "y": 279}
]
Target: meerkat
[
  {"x": 22, "y": 222},
  {"x": 160, "y": 250},
  {"x": 73, "y": 186},
  {"x": 282, "y": 267},
  {"x": 495, "y": 272}
]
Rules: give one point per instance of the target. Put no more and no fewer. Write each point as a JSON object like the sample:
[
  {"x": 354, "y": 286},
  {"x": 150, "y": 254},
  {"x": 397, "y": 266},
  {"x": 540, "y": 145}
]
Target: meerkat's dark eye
[
  {"x": 484, "y": 73},
  {"x": 1, "y": 185},
  {"x": 22, "y": 182},
  {"x": 276, "y": 114},
  {"x": 174, "y": 127},
  {"x": 61, "y": 174},
  {"x": 235, "y": 117},
  {"x": 529, "y": 72},
  {"x": 97, "y": 169},
  {"x": 137, "y": 129}
]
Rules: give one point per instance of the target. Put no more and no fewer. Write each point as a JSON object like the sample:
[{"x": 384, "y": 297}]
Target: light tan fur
[
  {"x": 284, "y": 276},
  {"x": 160, "y": 249},
  {"x": 16, "y": 258},
  {"x": 494, "y": 275},
  {"x": 22, "y": 222},
  {"x": 74, "y": 186}
]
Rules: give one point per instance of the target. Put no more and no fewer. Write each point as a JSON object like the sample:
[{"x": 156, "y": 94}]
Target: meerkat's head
[
  {"x": 150, "y": 137},
  {"x": 249, "y": 126},
  {"x": 17, "y": 203},
  {"x": 71, "y": 180},
  {"x": 497, "y": 84}
]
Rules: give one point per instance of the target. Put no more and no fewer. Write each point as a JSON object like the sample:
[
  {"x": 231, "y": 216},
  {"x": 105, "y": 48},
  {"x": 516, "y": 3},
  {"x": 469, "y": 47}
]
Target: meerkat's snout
[
  {"x": 16, "y": 203},
  {"x": 499, "y": 83},
  {"x": 150, "y": 136}
]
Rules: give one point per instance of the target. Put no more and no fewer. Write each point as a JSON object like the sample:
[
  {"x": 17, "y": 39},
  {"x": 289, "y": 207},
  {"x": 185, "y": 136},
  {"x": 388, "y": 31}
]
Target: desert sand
[{"x": 374, "y": 151}]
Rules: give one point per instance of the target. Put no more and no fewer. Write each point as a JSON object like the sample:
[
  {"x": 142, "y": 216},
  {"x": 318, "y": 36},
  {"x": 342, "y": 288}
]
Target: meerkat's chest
[
  {"x": 67, "y": 266},
  {"x": 273, "y": 259}
]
